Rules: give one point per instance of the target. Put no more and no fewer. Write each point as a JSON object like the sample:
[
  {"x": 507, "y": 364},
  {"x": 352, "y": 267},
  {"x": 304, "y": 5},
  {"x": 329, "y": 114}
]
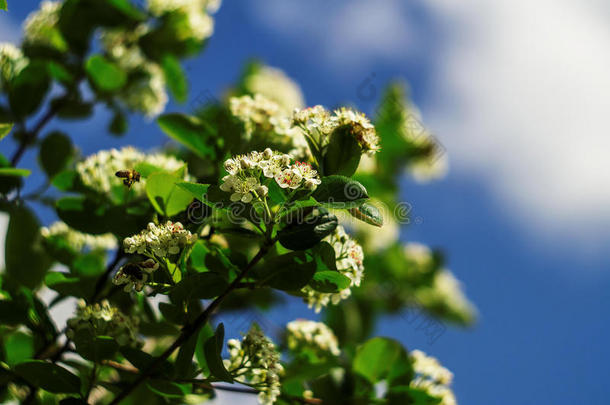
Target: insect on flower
[{"x": 129, "y": 177}]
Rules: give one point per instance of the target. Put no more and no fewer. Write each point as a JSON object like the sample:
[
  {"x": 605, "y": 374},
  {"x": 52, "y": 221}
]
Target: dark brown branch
[{"x": 30, "y": 136}]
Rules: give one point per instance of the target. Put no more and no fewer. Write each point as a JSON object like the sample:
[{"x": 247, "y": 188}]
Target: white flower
[
  {"x": 446, "y": 291},
  {"x": 146, "y": 93},
  {"x": 198, "y": 23},
  {"x": 121, "y": 45},
  {"x": 256, "y": 361},
  {"x": 245, "y": 171},
  {"x": 78, "y": 240},
  {"x": 274, "y": 85},
  {"x": 319, "y": 124},
  {"x": 12, "y": 62},
  {"x": 432, "y": 377},
  {"x": 419, "y": 255},
  {"x": 40, "y": 27},
  {"x": 98, "y": 170},
  {"x": 104, "y": 320},
  {"x": 258, "y": 113},
  {"x": 240, "y": 189},
  {"x": 159, "y": 241},
  {"x": 311, "y": 335},
  {"x": 135, "y": 275},
  {"x": 349, "y": 257}
]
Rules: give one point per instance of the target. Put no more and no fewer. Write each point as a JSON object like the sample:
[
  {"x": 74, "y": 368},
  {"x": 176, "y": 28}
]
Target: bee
[{"x": 129, "y": 177}]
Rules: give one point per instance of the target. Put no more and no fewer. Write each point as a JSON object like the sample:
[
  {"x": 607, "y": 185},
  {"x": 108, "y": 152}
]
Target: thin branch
[
  {"x": 31, "y": 135},
  {"x": 191, "y": 328}
]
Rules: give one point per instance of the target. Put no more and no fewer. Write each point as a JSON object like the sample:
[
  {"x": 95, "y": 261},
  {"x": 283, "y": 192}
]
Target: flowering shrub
[{"x": 258, "y": 201}]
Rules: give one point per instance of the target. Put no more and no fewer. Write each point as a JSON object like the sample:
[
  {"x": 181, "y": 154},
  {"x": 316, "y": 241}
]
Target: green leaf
[
  {"x": 367, "y": 213},
  {"x": 198, "y": 286},
  {"x": 48, "y": 376},
  {"x": 64, "y": 284},
  {"x": 89, "y": 264},
  {"x": 95, "y": 348},
  {"x": 340, "y": 192},
  {"x": 172, "y": 313},
  {"x": 118, "y": 125},
  {"x": 59, "y": 73},
  {"x": 411, "y": 395},
  {"x": 29, "y": 88},
  {"x": 83, "y": 214},
  {"x": 56, "y": 151},
  {"x": 204, "y": 334},
  {"x": 382, "y": 359},
  {"x": 288, "y": 272},
  {"x": 167, "y": 198},
  {"x": 104, "y": 74},
  {"x": 184, "y": 361},
  {"x": 166, "y": 388},
  {"x": 65, "y": 180},
  {"x": 329, "y": 281},
  {"x": 72, "y": 108},
  {"x": 343, "y": 153},
  {"x": 5, "y": 127},
  {"x": 305, "y": 233},
  {"x": 72, "y": 401},
  {"x": 141, "y": 360},
  {"x": 12, "y": 313},
  {"x": 27, "y": 261},
  {"x": 10, "y": 171},
  {"x": 175, "y": 78},
  {"x": 197, "y": 190},
  {"x": 18, "y": 347},
  {"x": 189, "y": 131},
  {"x": 3, "y": 5},
  {"x": 212, "y": 349}
]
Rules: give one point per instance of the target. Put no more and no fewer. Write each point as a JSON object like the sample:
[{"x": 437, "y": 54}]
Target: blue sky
[{"x": 518, "y": 93}]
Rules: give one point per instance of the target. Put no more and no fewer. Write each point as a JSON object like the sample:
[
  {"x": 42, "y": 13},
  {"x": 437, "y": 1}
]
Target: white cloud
[
  {"x": 527, "y": 92},
  {"x": 520, "y": 98}
]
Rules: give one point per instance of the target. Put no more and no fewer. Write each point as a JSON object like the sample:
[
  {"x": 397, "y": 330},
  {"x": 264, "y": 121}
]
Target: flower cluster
[
  {"x": 78, "y": 240},
  {"x": 98, "y": 171},
  {"x": 147, "y": 92},
  {"x": 310, "y": 335},
  {"x": 245, "y": 172},
  {"x": 319, "y": 123},
  {"x": 259, "y": 113},
  {"x": 104, "y": 320},
  {"x": 12, "y": 62},
  {"x": 40, "y": 27},
  {"x": 446, "y": 292},
  {"x": 159, "y": 240},
  {"x": 255, "y": 360},
  {"x": 146, "y": 89},
  {"x": 121, "y": 46},
  {"x": 349, "y": 257},
  {"x": 418, "y": 255},
  {"x": 432, "y": 377},
  {"x": 276, "y": 86},
  {"x": 135, "y": 275},
  {"x": 194, "y": 15}
]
